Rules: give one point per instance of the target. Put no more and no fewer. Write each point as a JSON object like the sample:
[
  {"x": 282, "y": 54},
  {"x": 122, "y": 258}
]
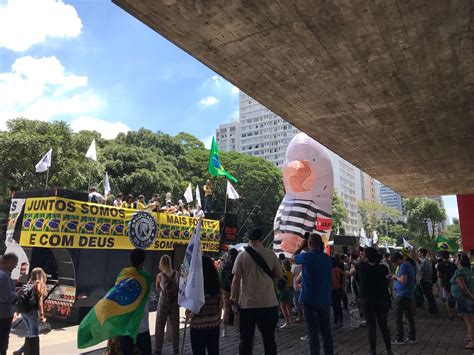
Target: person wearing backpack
[
  {"x": 30, "y": 305},
  {"x": 462, "y": 289},
  {"x": 168, "y": 308}
]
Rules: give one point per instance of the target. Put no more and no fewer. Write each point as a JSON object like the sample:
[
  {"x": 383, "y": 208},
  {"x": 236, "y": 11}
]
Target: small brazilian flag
[
  {"x": 215, "y": 167},
  {"x": 119, "y": 312},
  {"x": 443, "y": 243}
]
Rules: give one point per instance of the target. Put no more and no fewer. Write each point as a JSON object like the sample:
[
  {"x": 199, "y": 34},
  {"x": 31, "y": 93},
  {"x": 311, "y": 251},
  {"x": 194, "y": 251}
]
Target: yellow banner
[{"x": 56, "y": 222}]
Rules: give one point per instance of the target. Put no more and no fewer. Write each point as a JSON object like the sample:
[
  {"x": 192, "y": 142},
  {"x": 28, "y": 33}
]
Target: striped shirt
[
  {"x": 298, "y": 217},
  {"x": 210, "y": 314}
]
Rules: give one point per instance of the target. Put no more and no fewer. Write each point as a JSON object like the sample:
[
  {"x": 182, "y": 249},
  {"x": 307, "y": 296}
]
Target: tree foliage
[
  {"x": 424, "y": 217},
  {"x": 340, "y": 214},
  {"x": 139, "y": 162},
  {"x": 453, "y": 231},
  {"x": 373, "y": 215}
]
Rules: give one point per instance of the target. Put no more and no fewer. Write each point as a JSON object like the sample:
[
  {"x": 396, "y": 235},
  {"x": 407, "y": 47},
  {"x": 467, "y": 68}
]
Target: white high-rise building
[
  {"x": 228, "y": 137},
  {"x": 264, "y": 134}
]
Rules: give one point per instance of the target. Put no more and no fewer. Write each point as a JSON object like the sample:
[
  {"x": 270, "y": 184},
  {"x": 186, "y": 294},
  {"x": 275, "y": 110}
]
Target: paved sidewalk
[{"x": 436, "y": 336}]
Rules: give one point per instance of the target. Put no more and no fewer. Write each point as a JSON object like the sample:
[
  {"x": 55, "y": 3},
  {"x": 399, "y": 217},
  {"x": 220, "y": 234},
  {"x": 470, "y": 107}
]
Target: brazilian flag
[
  {"x": 119, "y": 312},
  {"x": 443, "y": 243},
  {"x": 215, "y": 167}
]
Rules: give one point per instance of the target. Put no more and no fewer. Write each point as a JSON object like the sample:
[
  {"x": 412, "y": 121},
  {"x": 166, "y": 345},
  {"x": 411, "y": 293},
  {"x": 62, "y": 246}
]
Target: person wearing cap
[
  {"x": 254, "y": 271},
  {"x": 94, "y": 196},
  {"x": 208, "y": 196},
  {"x": 404, "y": 286},
  {"x": 316, "y": 294}
]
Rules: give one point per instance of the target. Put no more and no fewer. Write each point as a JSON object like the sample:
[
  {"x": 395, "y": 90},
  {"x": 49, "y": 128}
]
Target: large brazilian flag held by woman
[{"x": 119, "y": 312}]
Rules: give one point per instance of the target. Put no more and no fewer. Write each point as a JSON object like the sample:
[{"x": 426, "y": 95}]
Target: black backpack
[
  {"x": 27, "y": 301},
  {"x": 171, "y": 288}
]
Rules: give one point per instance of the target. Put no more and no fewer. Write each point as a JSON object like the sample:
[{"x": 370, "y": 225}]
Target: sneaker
[
  {"x": 398, "y": 342},
  {"x": 285, "y": 325},
  {"x": 305, "y": 338},
  {"x": 224, "y": 333},
  {"x": 410, "y": 341}
]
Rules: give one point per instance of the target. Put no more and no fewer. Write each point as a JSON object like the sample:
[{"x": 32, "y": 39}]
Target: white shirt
[{"x": 98, "y": 197}]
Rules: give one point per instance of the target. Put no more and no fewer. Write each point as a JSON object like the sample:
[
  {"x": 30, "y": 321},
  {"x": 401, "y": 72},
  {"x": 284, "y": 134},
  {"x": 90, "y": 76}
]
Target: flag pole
[
  {"x": 90, "y": 175},
  {"x": 47, "y": 177},
  {"x": 184, "y": 335},
  {"x": 225, "y": 204}
]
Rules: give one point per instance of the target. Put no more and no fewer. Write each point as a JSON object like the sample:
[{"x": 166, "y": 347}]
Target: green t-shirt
[{"x": 465, "y": 273}]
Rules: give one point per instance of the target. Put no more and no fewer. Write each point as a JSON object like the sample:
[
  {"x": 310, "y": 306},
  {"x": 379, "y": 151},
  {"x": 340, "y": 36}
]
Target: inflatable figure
[{"x": 307, "y": 205}]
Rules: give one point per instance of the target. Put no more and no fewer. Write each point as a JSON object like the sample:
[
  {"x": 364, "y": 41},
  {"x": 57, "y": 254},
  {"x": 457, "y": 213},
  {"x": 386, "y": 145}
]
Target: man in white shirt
[
  {"x": 94, "y": 196},
  {"x": 257, "y": 298}
]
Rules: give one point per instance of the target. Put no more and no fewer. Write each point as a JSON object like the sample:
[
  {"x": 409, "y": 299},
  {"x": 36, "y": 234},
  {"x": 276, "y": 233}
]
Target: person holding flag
[{"x": 120, "y": 311}]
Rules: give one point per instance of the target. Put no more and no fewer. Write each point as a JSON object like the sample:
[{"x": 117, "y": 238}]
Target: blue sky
[
  {"x": 133, "y": 75},
  {"x": 95, "y": 66}
]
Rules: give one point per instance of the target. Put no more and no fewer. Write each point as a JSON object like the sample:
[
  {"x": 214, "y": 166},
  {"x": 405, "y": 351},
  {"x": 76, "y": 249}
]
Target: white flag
[
  {"x": 198, "y": 196},
  {"x": 91, "y": 152},
  {"x": 188, "y": 194},
  {"x": 45, "y": 162},
  {"x": 106, "y": 184},
  {"x": 407, "y": 245},
  {"x": 231, "y": 193},
  {"x": 191, "y": 281},
  {"x": 375, "y": 238},
  {"x": 386, "y": 247},
  {"x": 363, "y": 240}
]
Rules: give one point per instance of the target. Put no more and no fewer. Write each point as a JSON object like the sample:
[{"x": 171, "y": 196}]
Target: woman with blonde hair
[
  {"x": 168, "y": 309},
  {"x": 32, "y": 313}
]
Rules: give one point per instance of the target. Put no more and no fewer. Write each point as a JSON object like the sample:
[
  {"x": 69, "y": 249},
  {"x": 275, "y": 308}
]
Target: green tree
[
  {"x": 340, "y": 214},
  {"x": 423, "y": 217},
  {"x": 25, "y": 142},
  {"x": 373, "y": 215},
  {"x": 138, "y": 162},
  {"x": 453, "y": 231}
]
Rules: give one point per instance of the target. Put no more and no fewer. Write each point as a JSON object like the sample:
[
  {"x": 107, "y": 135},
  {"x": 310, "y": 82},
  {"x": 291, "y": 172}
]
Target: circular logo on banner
[{"x": 143, "y": 229}]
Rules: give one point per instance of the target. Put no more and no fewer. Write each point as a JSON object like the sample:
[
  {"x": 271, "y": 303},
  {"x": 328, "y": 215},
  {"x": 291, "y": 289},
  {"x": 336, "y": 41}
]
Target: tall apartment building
[
  {"x": 390, "y": 198},
  {"x": 370, "y": 188},
  {"x": 259, "y": 132},
  {"x": 228, "y": 137},
  {"x": 263, "y": 133}
]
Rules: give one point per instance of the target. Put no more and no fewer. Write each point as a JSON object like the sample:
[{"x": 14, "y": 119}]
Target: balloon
[{"x": 307, "y": 205}]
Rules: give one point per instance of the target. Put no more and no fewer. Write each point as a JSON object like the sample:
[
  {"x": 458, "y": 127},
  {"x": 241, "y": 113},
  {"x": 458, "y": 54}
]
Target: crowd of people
[
  {"x": 254, "y": 288},
  {"x": 154, "y": 204}
]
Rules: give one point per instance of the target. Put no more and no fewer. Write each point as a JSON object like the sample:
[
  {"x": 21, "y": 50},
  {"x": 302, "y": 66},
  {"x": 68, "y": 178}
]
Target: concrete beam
[{"x": 388, "y": 85}]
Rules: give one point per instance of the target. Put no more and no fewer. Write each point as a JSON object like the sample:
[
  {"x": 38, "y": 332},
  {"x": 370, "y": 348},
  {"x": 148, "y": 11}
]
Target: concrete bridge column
[{"x": 466, "y": 220}]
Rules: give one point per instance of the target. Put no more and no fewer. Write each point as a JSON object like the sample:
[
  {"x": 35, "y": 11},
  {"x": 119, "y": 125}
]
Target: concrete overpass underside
[{"x": 386, "y": 84}]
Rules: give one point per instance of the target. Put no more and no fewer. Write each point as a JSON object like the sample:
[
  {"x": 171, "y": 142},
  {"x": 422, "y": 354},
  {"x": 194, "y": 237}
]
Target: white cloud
[
  {"x": 24, "y": 23},
  {"x": 40, "y": 88},
  {"x": 235, "y": 90},
  {"x": 234, "y": 116},
  {"x": 108, "y": 130},
  {"x": 207, "y": 141},
  {"x": 209, "y": 101}
]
